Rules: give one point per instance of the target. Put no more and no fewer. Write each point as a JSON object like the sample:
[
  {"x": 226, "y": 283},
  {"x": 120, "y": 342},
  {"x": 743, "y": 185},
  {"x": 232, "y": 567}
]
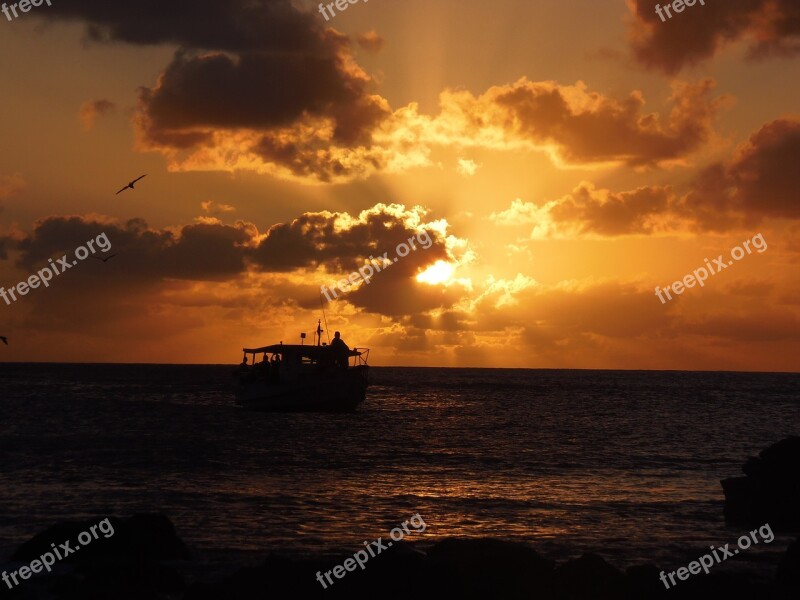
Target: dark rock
[
  {"x": 770, "y": 490},
  {"x": 730, "y": 587},
  {"x": 589, "y": 578},
  {"x": 154, "y": 537},
  {"x": 489, "y": 568},
  {"x": 139, "y": 581},
  {"x": 642, "y": 582},
  {"x": 141, "y": 537},
  {"x": 788, "y": 574}
]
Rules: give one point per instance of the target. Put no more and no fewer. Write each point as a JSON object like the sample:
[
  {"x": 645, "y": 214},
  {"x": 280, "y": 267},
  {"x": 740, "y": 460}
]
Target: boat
[{"x": 299, "y": 377}]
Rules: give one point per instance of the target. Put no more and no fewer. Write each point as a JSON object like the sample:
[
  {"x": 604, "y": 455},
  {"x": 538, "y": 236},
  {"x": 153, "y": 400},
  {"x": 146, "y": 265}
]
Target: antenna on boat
[{"x": 328, "y": 335}]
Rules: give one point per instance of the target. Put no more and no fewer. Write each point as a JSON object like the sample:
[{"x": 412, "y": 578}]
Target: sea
[{"x": 626, "y": 464}]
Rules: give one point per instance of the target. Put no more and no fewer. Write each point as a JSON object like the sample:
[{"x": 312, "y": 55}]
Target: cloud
[
  {"x": 93, "y": 109},
  {"x": 608, "y": 213},
  {"x": 467, "y": 167},
  {"x": 579, "y": 126},
  {"x": 261, "y": 85},
  {"x": 200, "y": 93},
  {"x": 519, "y": 213},
  {"x": 233, "y": 26},
  {"x": 167, "y": 275},
  {"x": 201, "y": 251},
  {"x": 588, "y": 210},
  {"x": 254, "y": 84},
  {"x": 212, "y": 208},
  {"x": 699, "y": 33},
  {"x": 573, "y": 125},
  {"x": 209, "y": 250},
  {"x": 370, "y": 41},
  {"x": 759, "y": 182},
  {"x": 329, "y": 246}
]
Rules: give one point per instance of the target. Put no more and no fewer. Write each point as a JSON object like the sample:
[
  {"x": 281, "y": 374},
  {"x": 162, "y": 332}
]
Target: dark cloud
[
  {"x": 765, "y": 171},
  {"x": 227, "y": 25},
  {"x": 256, "y": 91},
  {"x": 247, "y": 76},
  {"x": 202, "y": 251},
  {"x": 761, "y": 181},
  {"x": 699, "y": 32},
  {"x": 334, "y": 244}
]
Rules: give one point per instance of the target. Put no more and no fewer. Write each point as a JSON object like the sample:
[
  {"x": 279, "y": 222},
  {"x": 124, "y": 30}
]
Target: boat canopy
[{"x": 313, "y": 352}]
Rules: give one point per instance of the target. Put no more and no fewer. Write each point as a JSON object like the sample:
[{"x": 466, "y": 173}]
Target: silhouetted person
[
  {"x": 244, "y": 367},
  {"x": 275, "y": 367},
  {"x": 340, "y": 351}
]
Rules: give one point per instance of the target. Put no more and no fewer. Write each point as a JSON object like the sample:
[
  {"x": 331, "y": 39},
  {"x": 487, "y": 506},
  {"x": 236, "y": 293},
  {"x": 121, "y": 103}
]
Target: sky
[{"x": 566, "y": 161}]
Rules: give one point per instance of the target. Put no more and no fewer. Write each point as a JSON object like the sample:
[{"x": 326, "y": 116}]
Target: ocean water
[{"x": 625, "y": 464}]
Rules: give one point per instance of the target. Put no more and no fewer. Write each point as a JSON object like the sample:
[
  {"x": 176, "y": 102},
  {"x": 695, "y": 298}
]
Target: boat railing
[{"x": 361, "y": 358}]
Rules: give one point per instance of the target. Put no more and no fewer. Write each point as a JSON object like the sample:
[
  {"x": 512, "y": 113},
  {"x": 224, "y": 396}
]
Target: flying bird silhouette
[
  {"x": 130, "y": 185},
  {"x": 106, "y": 259},
  {"x": 5, "y": 339}
]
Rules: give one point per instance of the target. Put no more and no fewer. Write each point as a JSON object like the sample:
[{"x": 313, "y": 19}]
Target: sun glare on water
[{"x": 438, "y": 272}]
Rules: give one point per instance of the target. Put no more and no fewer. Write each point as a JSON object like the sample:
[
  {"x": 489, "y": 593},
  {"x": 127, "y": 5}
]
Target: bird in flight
[
  {"x": 5, "y": 339},
  {"x": 104, "y": 259},
  {"x": 130, "y": 185}
]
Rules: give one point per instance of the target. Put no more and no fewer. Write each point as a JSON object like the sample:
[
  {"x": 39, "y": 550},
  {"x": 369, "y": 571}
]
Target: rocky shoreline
[{"x": 145, "y": 559}]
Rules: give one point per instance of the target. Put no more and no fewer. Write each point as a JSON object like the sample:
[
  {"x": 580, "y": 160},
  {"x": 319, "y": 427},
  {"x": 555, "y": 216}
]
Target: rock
[
  {"x": 589, "y": 578},
  {"x": 487, "y": 568},
  {"x": 788, "y": 574},
  {"x": 642, "y": 582},
  {"x": 153, "y": 537},
  {"x": 770, "y": 490},
  {"x": 139, "y": 581},
  {"x": 141, "y": 537}
]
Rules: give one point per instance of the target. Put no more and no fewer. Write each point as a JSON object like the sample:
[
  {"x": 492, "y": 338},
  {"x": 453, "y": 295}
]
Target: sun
[{"x": 438, "y": 272}]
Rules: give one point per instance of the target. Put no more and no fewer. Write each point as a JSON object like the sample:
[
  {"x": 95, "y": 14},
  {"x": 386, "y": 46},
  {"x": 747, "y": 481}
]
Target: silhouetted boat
[{"x": 303, "y": 378}]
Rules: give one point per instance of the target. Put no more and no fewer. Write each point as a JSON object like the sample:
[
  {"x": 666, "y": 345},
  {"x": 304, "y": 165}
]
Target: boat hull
[{"x": 337, "y": 392}]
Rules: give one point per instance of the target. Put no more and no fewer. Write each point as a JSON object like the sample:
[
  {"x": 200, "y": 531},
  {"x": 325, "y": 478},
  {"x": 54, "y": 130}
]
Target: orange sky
[{"x": 565, "y": 158}]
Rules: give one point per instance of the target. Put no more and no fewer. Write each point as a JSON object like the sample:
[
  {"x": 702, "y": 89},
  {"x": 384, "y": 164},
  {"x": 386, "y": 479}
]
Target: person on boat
[
  {"x": 340, "y": 351},
  {"x": 263, "y": 366},
  {"x": 274, "y": 367},
  {"x": 244, "y": 366}
]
